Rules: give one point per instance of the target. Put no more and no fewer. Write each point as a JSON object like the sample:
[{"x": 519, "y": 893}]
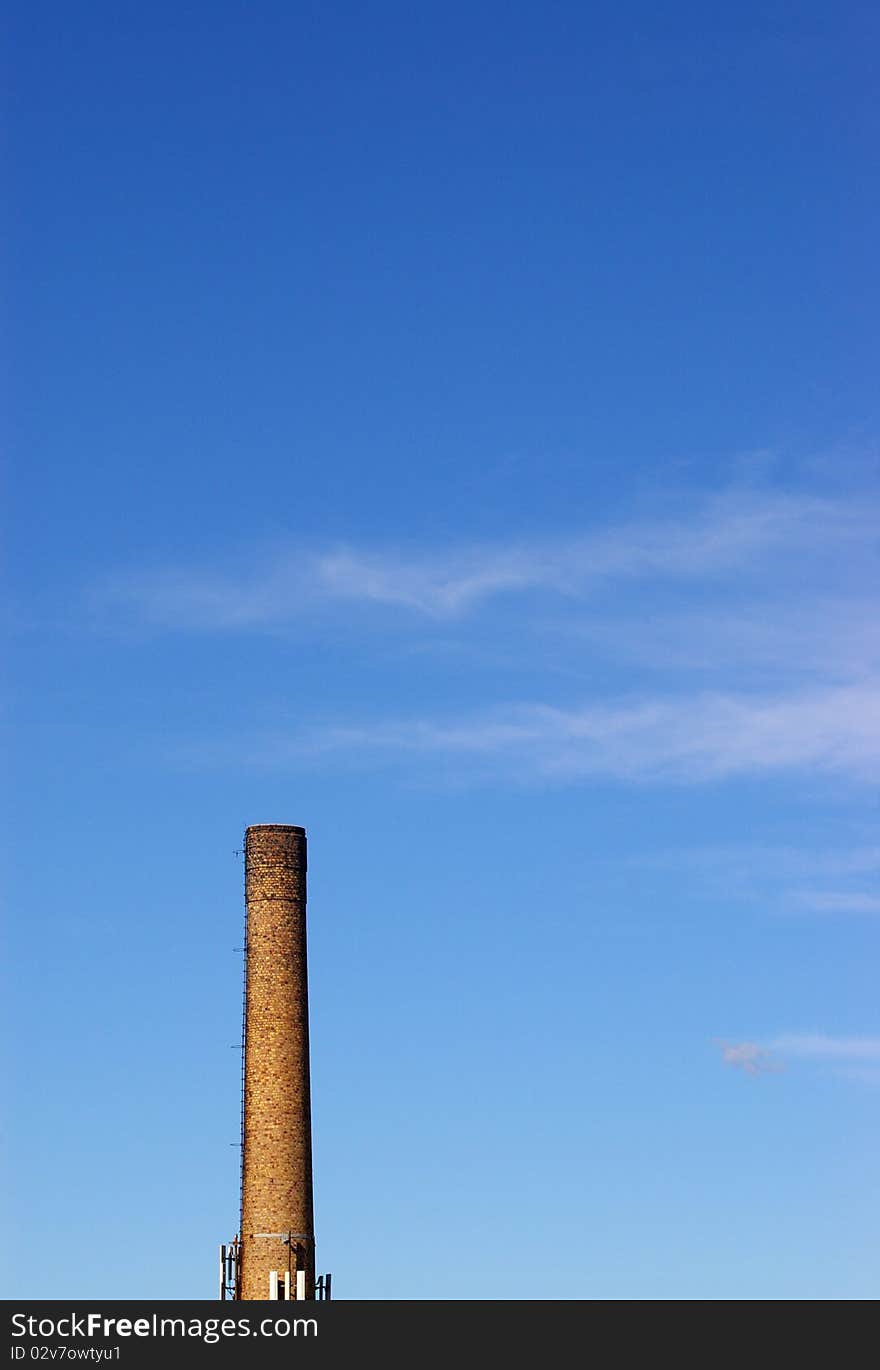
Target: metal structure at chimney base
[{"x": 273, "y": 1255}]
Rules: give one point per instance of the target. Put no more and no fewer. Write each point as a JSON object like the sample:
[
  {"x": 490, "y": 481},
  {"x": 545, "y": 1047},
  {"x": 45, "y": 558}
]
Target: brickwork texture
[{"x": 276, "y": 1188}]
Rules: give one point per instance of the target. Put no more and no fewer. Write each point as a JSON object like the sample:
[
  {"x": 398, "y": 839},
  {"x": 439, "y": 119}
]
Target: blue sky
[{"x": 453, "y": 429}]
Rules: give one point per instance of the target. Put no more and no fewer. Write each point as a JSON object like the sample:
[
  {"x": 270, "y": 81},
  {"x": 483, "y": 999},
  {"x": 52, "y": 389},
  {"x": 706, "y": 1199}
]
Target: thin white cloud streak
[
  {"x": 770, "y": 862},
  {"x": 829, "y": 724},
  {"x": 816, "y": 1046},
  {"x": 855, "y": 1057},
  {"x": 730, "y": 533},
  {"x": 689, "y": 738},
  {"x": 829, "y": 638},
  {"x": 837, "y": 901},
  {"x": 782, "y": 879}
]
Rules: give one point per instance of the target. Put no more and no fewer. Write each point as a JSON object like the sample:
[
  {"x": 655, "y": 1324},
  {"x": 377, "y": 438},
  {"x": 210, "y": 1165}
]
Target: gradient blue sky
[{"x": 454, "y": 429}]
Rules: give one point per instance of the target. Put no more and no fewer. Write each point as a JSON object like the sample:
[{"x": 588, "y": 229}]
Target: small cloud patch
[{"x": 748, "y": 1056}]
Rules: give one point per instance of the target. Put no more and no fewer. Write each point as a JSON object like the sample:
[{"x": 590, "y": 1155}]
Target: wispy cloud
[
  {"x": 786, "y": 863},
  {"x": 817, "y": 1046},
  {"x": 825, "y": 879},
  {"x": 748, "y": 1056},
  {"x": 767, "y": 612},
  {"x": 856, "y": 1057},
  {"x": 837, "y": 901},
  {"x": 687, "y": 739},
  {"x": 734, "y": 532},
  {"x": 805, "y": 634}
]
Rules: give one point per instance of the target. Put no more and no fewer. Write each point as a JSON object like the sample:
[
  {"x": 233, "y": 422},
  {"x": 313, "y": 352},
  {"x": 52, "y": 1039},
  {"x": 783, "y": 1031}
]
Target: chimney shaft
[{"x": 276, "y": 1174}]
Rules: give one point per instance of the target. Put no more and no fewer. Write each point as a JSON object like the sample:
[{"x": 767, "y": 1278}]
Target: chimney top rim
[{"x": 274, "y": 827}]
